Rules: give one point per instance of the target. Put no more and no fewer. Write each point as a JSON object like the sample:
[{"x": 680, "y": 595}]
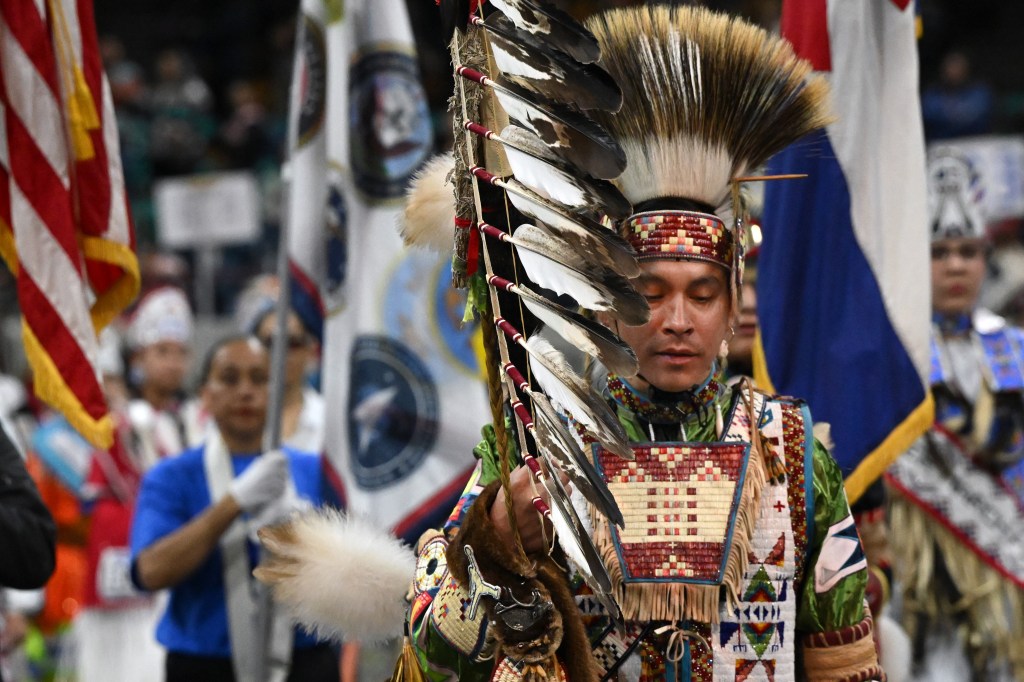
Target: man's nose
[
  {"x": 676, "y": 315},
  {"x": 249, "y": 386}
]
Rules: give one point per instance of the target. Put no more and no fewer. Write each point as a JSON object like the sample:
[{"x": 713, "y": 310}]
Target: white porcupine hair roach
[
  {"x": 706, "y": 98},
  {"x": 338, "y": 575}
]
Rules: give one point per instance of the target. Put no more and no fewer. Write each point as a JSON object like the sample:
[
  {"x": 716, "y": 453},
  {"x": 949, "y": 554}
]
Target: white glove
[
  {"x": 280, "y": 510},
  {"x": 263, "y": 482}
]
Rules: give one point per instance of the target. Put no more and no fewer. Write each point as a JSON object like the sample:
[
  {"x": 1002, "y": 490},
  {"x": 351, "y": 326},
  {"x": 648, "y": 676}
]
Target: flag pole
[{"x": 272, "y": 436}]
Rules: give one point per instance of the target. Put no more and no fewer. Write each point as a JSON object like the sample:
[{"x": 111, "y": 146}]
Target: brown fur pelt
[{"x": 559, "y": 631}]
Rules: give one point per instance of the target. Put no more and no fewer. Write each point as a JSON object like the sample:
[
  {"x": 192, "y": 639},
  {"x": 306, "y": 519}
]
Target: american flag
[{"x": 65, "y": 231}]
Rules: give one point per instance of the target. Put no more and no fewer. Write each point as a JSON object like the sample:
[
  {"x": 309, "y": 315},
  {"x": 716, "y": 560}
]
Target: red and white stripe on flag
[{"x": 64, "y": 226}]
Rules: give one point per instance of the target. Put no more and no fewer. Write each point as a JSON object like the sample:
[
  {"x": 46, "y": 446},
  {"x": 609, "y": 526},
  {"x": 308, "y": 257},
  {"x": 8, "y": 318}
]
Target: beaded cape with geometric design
[{"x": 679, "y": 501}]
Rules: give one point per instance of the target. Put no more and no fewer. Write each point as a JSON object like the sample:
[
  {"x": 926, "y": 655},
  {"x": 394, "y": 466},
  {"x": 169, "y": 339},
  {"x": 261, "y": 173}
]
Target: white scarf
[{"x": 251, "y": 616}]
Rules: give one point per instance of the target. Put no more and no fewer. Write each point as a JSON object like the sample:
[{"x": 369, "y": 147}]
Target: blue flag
[{"x": 844, "y": 271}]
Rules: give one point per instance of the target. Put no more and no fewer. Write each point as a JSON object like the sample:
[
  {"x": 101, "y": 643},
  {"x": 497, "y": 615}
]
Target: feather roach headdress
[{"x": 707, "y": 98}]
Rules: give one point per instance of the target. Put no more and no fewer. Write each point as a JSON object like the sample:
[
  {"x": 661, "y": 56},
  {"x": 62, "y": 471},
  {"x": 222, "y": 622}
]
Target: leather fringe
[{"x": 992, "y": 605}]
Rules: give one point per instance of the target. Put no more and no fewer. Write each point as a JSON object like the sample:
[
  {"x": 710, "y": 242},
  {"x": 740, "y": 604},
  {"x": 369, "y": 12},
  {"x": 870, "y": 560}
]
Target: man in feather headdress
[
  {"x": 739, "y": 559},
  {"x": 956, "y": 528}
]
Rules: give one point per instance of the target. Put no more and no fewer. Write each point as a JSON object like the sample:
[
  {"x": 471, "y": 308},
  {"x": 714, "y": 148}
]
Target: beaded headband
[{"x": 689, "y": 235}]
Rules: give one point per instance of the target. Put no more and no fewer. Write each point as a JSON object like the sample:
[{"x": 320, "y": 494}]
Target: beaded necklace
[
  {"x": 951, "y": 325},
  {"x": 695, "y": 403}
]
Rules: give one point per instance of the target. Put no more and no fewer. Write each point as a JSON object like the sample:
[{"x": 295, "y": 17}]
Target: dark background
[{"x": 231, "y": 39}]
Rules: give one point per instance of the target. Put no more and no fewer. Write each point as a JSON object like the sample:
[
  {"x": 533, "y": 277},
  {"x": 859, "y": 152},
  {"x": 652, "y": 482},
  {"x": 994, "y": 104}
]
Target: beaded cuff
[{"x": 846, "y": 655}]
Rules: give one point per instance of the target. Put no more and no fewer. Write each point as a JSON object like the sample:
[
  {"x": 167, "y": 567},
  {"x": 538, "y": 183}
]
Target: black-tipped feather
[
  {"x": 567, "y": 520},
  {"x": 535, "y": 65},
  {"x": 575, "y": 135},
  {"x": 590, "y": 337},
  {"x": 572, "y": 267},
  {"x": 555, "y": 441},
  {"x": 538, "y": 166},
  {"x": 566, "y": 224},
  {"x": 552, "y": 26},
  {"x": 561, "y": 383}
]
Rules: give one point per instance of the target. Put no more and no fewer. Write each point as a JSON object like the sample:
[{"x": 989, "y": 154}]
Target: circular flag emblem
[
  {"x": 392, "y": 412},
  {"x": 390, "y": 132},
  {"x": 313, "y": 92}
]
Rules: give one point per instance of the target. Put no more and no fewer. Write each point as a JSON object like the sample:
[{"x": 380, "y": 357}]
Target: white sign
[
  {"x": 1000, "y": 162},
  {"x": 211, "y": 209}
]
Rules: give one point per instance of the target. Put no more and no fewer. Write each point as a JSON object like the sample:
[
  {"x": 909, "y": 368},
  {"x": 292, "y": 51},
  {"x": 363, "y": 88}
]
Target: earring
[{"x": 723, "y": 350}]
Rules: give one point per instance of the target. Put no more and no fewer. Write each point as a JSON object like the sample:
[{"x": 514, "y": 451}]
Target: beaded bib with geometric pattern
[{"x": 680, "y": 503}]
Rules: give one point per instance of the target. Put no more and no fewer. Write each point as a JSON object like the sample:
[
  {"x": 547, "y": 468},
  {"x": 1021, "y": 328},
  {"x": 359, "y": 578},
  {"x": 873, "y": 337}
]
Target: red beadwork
[
  {"x": 681, "y": 234},
  {"x": 793, "y": 427},
  {"x": 672, "y": 544}
]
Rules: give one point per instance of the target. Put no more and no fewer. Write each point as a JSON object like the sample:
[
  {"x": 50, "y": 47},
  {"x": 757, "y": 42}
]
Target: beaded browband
[{"x": 680, "y": 234}]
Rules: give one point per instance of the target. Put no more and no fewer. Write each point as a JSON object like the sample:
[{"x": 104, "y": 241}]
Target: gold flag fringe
[
  {"x": 992, "y": 605},
  {"x": 681, "y": 601}
]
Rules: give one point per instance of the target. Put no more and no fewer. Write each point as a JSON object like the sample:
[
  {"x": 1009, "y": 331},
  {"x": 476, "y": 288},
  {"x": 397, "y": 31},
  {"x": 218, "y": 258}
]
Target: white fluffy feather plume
[
  {"x": 338, "y": 575},
  {"x": 429, "y": 216}
]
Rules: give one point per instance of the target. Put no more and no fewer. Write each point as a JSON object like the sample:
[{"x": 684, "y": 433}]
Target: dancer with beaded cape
[
  {"x": 707, "y": 535},
  {"x": 738, "y": 558}
]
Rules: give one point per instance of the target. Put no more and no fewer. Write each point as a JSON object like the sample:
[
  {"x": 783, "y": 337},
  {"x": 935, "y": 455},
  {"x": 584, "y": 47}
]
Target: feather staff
[
  {"x": 570, "y": 226},
  {"x": 536, "y": 166},
  {"x": 576, "y": 136},
  {"x": 592, "y": 338},
  {"x": 552, "y": 26},
  {"x": 554, "y": 441},
  {"x": 569, "y": 528},
  {"x": 535, "y": 65},
  {"x": 574, "y": 270},
  {"x": 556, "y": 378},
  {"x": 578, "y": 542}
]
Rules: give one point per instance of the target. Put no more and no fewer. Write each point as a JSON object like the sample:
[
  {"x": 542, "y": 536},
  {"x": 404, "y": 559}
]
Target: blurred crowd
[{"x": 91, "y": 621}]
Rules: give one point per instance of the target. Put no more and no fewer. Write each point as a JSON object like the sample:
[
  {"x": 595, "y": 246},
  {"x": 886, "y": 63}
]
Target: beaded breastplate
[{"x": 680, "y": 503}]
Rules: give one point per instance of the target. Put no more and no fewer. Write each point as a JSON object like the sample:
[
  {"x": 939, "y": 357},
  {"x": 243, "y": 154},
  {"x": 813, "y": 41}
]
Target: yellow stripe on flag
[
  {"x": 898, "y": 441},
  {"x": 51, "y": 387},
  {"x": 115, "y": 299}
]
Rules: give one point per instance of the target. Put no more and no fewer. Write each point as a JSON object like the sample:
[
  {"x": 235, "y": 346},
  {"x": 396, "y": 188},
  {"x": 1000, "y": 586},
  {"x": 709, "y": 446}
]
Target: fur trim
[
  {"x": 895, "y": 652},
  {"x": 822, "y": 431},
  {"x": 500, "y": 564},
  {"x": 338, "y": 575},
  {"x": 429, "y": 216}
]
